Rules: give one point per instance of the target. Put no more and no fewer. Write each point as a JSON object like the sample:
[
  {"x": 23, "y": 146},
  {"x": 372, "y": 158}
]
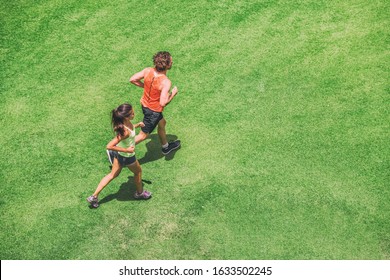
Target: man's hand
[{"x": 174, "y": 91}]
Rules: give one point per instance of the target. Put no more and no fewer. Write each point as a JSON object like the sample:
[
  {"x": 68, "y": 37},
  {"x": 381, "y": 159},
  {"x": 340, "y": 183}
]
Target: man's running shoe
[{"x": 171, "y": 147}]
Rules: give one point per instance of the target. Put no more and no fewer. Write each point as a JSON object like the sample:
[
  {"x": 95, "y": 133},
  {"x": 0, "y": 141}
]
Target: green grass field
[{"x": 283, "y": 114}]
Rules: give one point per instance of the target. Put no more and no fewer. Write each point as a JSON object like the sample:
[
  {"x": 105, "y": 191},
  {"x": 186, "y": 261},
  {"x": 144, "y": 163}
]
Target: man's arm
[
  {"x": 137, "y": 77},
  {"x": 165, "y": 97}
]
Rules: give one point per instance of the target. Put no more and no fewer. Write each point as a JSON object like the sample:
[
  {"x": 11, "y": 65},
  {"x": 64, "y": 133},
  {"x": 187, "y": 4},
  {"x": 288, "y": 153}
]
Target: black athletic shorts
[
  {"x": 151, "y": 119},
  {"x": 123, "y": 161}
]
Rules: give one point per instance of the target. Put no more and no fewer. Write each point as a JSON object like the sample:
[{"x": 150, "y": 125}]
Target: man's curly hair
[{"x": 162, "y": 60}]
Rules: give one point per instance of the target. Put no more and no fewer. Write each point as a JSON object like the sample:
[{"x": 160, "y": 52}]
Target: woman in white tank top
[{"x": 121, "y": 151}]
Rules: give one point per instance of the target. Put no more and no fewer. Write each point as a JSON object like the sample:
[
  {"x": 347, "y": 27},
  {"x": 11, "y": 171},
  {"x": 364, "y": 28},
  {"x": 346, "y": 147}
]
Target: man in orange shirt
[{"x": 156, "y": 96}]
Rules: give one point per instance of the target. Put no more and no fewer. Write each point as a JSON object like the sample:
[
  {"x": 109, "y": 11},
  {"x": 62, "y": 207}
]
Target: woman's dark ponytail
[{"x": 118, "y": 118}]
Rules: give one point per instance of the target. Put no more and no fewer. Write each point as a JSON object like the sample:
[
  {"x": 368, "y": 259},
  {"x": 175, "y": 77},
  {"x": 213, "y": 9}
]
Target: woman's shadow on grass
[
  {"x": 126, "y": 191},
  {"x": 153, "y": 149}
]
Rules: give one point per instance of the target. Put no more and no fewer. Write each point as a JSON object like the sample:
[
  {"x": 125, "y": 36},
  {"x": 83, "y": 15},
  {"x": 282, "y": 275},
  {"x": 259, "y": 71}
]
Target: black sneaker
[{"x": 171, "y": 147}]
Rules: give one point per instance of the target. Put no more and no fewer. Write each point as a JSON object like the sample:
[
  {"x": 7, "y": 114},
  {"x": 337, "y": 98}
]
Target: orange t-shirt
[{"x": 152, "y": 90}]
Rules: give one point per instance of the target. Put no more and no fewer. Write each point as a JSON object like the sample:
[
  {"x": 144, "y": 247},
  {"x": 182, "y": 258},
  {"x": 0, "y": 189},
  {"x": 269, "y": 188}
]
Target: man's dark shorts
[{"x": 151, "y": 119}]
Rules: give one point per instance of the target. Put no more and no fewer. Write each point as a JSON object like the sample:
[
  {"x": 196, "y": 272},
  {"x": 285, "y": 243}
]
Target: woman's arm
[
  {"x": 112, "y": 145},
  {"x": 140, "y": 124}
]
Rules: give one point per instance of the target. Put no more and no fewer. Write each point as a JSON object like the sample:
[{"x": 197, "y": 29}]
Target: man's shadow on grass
[
  {"x": 126, "y": 191},
  {"x": 153, "y": 149}
]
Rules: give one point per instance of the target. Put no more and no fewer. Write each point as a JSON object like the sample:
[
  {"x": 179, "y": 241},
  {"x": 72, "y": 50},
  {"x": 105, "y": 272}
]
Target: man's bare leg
[{"x": 161, "y": 132}]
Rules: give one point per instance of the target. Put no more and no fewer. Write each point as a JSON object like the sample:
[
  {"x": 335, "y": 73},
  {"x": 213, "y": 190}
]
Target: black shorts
[
  {"x": 151, "y": 119},
  {"x": 123, "y": 161}
]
